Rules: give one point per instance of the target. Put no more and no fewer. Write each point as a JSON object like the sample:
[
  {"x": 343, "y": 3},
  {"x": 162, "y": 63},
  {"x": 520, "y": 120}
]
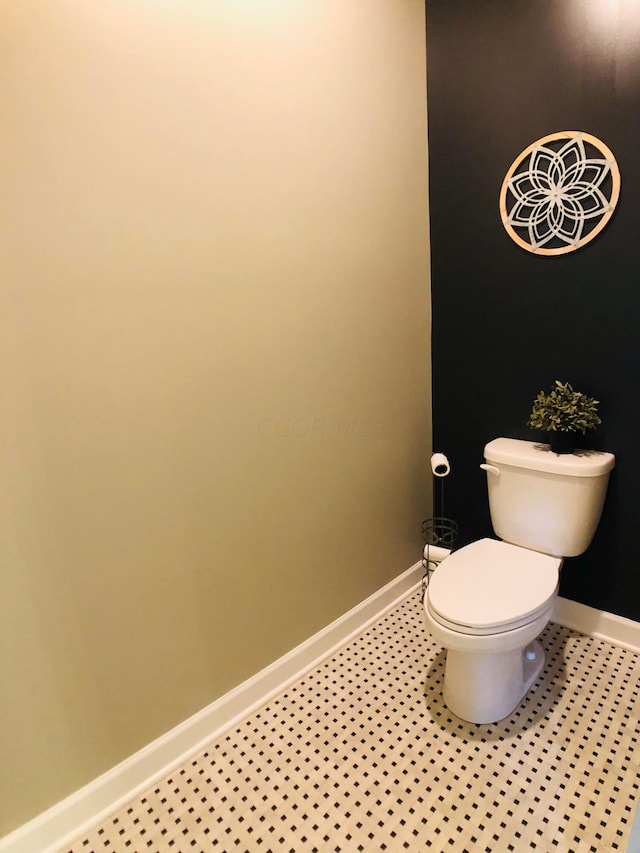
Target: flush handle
[{"x": 491, "y": 469}]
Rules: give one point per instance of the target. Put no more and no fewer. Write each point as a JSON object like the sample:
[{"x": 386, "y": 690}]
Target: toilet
[{"x": 487, "y": 602}]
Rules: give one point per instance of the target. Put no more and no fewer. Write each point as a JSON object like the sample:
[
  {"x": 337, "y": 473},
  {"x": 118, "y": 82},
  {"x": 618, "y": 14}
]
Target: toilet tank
[{"x": 546, "y": 501}]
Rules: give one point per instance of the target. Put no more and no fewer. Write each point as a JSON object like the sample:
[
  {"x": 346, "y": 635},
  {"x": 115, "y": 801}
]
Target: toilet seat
[{"x": 490, "y": 587}]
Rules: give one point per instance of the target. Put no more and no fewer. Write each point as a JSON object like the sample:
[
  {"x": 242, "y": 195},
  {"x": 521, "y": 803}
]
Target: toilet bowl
[{"x": 486, "y": 604}]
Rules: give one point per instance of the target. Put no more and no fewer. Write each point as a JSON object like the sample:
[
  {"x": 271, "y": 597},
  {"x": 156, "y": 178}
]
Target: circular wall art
[{"x": 559, "y": 193}]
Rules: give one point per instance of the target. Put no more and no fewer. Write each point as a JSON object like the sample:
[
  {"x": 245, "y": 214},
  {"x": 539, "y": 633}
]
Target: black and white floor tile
[{"x": 361, "y": 754}]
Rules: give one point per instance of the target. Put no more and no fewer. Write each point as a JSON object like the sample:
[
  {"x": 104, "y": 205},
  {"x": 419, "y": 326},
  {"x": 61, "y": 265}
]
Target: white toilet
[{"x": 487, "y": 602}]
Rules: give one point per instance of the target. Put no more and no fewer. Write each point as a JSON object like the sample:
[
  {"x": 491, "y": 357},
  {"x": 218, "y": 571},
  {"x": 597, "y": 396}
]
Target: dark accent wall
[{"x": 507, "y": 323}]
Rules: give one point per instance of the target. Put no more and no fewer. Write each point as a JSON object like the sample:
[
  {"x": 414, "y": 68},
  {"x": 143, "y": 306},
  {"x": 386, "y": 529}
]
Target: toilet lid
[{"x": 492, "y": 586}]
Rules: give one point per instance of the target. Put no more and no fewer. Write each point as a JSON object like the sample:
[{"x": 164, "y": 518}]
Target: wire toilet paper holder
[{"x": 439, "y": 530}]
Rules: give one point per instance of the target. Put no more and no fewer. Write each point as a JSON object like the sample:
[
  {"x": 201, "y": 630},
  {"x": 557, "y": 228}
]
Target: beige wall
[{"x": 214, "y": 344}]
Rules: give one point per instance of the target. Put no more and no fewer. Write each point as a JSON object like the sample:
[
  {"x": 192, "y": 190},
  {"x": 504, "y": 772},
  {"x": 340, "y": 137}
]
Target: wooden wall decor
[{"x": 559, "y": 193}]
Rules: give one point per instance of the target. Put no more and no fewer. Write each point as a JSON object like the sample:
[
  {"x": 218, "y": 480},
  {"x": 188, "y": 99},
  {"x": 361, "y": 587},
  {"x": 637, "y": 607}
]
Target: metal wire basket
[{"x": 437, "y": 531}]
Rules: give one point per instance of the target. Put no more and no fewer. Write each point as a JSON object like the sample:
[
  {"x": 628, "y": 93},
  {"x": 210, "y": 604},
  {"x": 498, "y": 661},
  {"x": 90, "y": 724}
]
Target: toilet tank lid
[{"x": 539, "y": 457}]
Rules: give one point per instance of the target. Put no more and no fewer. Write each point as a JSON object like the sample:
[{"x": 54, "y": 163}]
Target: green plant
[{"x": 564, "y": 410}]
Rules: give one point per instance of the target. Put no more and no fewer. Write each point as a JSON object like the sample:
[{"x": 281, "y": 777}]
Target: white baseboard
[
  {"x": 597, "y": 623},
  {"x": 59, "y": 825}
]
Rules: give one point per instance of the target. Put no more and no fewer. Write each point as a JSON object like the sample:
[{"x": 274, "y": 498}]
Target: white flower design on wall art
[{"x": 559, "y": 193}]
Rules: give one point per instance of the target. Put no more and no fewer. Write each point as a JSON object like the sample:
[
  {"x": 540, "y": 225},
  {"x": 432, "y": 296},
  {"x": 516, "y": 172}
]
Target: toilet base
[{"x": 485, "y": 688}]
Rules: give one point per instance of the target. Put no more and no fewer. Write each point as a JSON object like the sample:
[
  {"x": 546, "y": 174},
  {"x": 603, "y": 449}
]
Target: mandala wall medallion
[{"x": 559, "y": 193}]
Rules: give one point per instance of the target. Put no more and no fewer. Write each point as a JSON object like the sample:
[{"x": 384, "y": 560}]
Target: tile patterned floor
[{"x": 361, "y": 754}]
